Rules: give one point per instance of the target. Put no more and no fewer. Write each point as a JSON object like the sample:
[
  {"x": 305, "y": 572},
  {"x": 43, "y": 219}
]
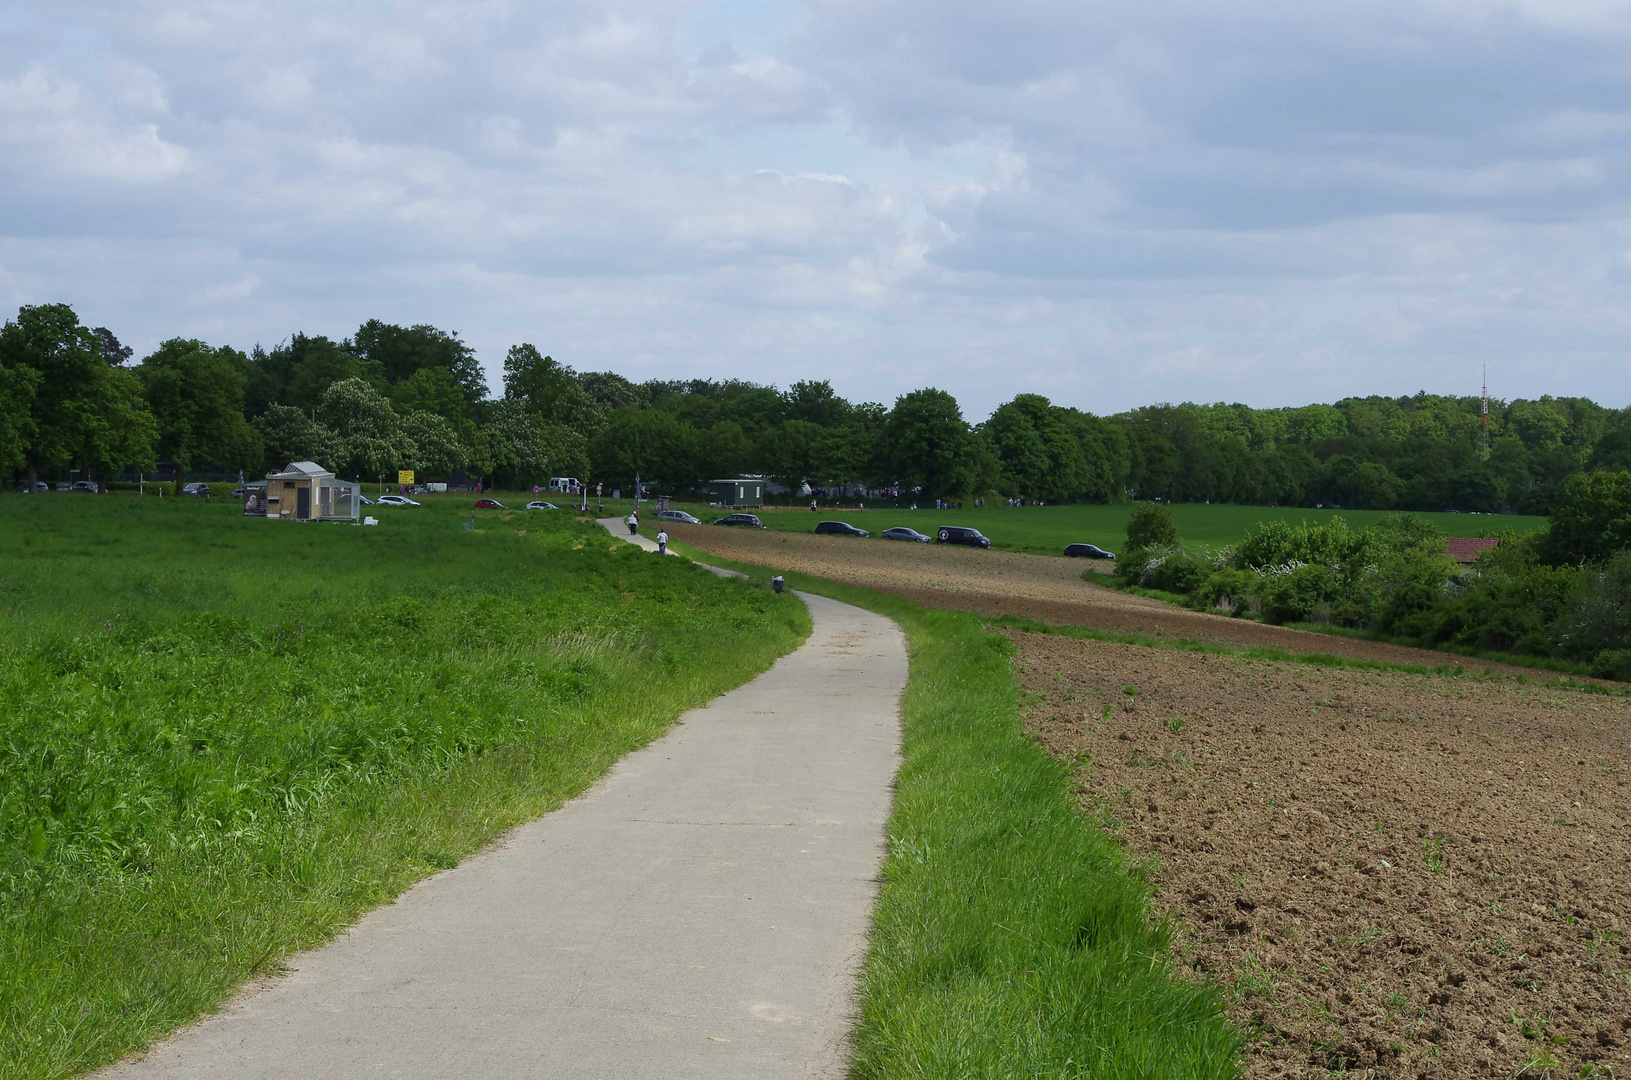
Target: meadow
[{"x": 222, "y": 739}]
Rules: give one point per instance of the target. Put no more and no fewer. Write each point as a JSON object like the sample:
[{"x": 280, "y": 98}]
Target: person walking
[
  {"x": 662, "y": 541},
  {"x": 633, "y": 523}
]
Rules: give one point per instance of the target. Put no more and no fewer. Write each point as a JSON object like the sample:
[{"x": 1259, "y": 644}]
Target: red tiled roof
[{"x": 1467, "y": 550}]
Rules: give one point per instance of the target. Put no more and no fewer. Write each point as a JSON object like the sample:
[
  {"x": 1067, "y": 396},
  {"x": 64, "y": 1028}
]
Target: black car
[
  {"x": 740, "y": 519},
  {"x": 39, "y": 485},
  {"x": 88, "y": 486},
  {"x": 197, "y": 491},
  {"x": 839, "y": 528},
  {"x": 903, "y": 533},
  {"x": 956, "y": 534},
  {"x": 1088, "y": 551}
]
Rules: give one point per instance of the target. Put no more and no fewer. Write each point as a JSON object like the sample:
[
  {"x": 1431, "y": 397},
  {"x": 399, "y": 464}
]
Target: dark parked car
[
  {"x": 39, "y": 485},
  {"x": 238, "y": 493},
  {"x": 839, "y": 528},
  {"x": 1088, "y": 551},
  {"x": 197, "y": 491},
  {"x": 740, "y": 519},
  {"x": 956, "y": 534},
  {"x": 678, "y": 515},
  {"x": 903, "y": 533},
  {"x": 489, "y": 504},
  {"x": 88, "y": 486}
]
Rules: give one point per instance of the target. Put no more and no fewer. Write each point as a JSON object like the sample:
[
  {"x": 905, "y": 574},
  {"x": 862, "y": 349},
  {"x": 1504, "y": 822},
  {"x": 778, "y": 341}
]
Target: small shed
[
  {"x": 741, "y": 492},
  {"x": 1465, "y": 550},
  {"x": 305, "y": 491}
]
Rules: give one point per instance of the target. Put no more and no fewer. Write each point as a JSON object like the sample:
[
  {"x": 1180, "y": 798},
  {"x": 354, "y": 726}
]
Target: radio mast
[{"x": 1484, "y": 411}]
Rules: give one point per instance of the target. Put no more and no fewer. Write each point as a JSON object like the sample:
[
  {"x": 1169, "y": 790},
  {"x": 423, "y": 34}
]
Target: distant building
[
  {"x": 1466, "y": 550},
  {"x": 305, "y": 491},
  {"x": 745, "y": 491}
]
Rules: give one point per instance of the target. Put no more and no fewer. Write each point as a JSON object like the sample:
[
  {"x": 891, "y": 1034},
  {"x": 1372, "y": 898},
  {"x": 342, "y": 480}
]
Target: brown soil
[
  {"x": 1403, "y": 875},
  {"x": 1046, "y": 588}
]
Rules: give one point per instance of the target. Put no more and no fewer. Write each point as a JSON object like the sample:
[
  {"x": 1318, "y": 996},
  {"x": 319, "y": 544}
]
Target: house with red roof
[{"x": 1465, "y": 550}]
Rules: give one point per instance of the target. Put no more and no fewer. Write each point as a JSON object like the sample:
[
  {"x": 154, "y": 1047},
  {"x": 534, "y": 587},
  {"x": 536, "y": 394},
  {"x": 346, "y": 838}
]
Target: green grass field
[
  {"x": 1045, "y": 530},
  {"x": 222, "y": 739}
]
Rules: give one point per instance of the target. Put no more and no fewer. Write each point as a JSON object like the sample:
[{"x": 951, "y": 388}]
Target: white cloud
[{"x": 1272, "y": 202}]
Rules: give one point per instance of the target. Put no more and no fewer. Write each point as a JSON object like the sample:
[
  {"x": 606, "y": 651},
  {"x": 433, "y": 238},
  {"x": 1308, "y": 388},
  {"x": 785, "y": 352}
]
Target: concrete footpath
[{"x": 701, "y": 912}]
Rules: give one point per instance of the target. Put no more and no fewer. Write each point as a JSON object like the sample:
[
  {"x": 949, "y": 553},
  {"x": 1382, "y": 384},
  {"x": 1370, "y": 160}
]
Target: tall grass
[
  {"x": 1013, "y": 938},
  {"x": 222, "y": 739}
]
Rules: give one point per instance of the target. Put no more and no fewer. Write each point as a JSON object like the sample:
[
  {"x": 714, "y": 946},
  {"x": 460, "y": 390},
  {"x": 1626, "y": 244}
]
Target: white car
[
  {"x": 542, "y": 506},
  {"x": 395, "y": 500}
]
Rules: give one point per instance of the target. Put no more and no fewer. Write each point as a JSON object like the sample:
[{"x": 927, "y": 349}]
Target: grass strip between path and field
[{"x": 1012, "y": 936}]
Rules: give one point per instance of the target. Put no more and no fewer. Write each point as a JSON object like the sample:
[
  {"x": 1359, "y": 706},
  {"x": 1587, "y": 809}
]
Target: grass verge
[
  {"x": 1012, "y": 938},
  {"x": 223, "y": 739}
]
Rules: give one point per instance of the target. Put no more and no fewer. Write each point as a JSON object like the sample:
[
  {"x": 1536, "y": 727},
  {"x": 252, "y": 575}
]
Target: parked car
[
  {"x": 395, "y": 500},
  {"x": 956, "y": 534},
  {"x": 88, "y": 486},
  {"x": 238, "y": 493},
  {"x": 839, "y": 528},
  {"x": 63, "y": 485},
  {"x": 197, "y": 491},
  {"x": 749, "y": 520},
  {"x": 489, "y": 504},
  {"x": 903, "y": 533},
  {"x": 365, "y": 500},
  {"x": 678, "y": 515},
  {"x": 1088, "y": 551},
  {"x": 39, "y": 485},
  {"x": 541, "y": 505}
]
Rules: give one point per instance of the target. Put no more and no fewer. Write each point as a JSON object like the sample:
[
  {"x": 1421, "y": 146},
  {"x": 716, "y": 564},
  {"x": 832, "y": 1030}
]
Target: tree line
[{"x": 393, "y": 397}]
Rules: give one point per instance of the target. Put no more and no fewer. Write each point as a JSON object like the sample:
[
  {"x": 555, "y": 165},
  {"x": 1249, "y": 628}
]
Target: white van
[{"x": 569, "y": 485}]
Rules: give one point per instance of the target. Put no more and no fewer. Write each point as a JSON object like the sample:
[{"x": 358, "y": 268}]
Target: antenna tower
[{"x": 1484, "y": 411}]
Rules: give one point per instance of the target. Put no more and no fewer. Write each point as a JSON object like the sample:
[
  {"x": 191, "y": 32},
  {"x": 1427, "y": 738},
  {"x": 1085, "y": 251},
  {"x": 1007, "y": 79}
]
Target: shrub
[
  {"x": 1175, "y": 570},
  {"x": 1612, "y": 664},
  {"x": 1151, "y": 526},
  {"x": 1231, "y": 588},
  {"x": 1296, "y": 594},
  {"x": 1597, "y": 614},
  {"x": 1593, "y": 519}
]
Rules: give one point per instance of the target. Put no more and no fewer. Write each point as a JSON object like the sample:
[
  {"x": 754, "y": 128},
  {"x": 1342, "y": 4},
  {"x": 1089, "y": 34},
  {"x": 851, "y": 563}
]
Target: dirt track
[
  {"x": 1040, "y": 587},
  {"x": 1407, "y": 875}
]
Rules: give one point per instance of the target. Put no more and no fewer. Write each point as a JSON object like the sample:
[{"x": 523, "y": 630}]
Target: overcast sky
[{"x": 1272, "y": 202}]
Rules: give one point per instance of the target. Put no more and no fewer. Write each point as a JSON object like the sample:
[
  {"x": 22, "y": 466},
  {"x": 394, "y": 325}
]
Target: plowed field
[
  {"x": 1395, "y": 875},
  {"x": 1041, "y": 587}
]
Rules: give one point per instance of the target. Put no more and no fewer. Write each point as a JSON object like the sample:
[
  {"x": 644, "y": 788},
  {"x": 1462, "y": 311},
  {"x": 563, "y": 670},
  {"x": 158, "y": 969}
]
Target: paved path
[{"x": 700, "y": 913}]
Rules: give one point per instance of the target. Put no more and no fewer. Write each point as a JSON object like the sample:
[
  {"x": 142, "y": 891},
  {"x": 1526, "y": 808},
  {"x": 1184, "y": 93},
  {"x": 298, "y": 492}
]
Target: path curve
[{"x": 701, "y": 912}]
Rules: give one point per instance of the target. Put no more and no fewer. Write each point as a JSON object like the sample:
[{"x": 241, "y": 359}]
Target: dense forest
[{"x": 393, "y": 397}]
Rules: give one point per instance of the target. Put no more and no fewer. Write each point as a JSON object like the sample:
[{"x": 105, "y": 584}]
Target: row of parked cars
[{"x": 946, "y": 534}]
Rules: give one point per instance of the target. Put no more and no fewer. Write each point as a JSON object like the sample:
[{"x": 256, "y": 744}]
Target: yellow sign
[{"x": 405, "y": 476}]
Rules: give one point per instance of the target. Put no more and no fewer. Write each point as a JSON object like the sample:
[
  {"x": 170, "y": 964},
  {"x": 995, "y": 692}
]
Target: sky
[{"x": 1275, "y": 203}]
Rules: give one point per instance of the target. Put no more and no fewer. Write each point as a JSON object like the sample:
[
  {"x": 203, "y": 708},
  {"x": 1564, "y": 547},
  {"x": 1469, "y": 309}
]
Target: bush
[
  {"x": 1235, "y": 589},
  {"x": 1175, "y": 570},
  {"x": 1593, "y": 520},
  {"x": 1151, "y": 527},
  {"x": 1300, "y": 594},
  {"x": 1612, "y": 664},
  {"x": 1596, "y": 617}
]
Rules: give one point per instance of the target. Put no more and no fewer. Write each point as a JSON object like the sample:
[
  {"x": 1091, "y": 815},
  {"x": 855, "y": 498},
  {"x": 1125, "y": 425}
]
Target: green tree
[
  {"x": 1593, "y": 521},
  {"x": 196, "y": 395},
  {"x": 290, "y": 434},
  {"x": 436, "y": 447},
  {"x": 398, "y": 352},
  {"x": 369, "y": 433},
  {"x": 550, "y": 390},
  {"x": 929, "y": 445},
  {"x": 649, "y": 442},
  {"x": 431, "y": 390},
  {"x": 1151, "y": 527},
  {"x": 82, "y": 409},
  {"x": 17, "y": 387}
]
